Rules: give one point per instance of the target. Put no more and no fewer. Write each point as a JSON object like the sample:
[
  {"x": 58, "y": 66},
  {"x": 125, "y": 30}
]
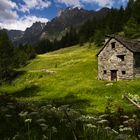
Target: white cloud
[
  {"x": 80, "y": 3},
  {"x": 100, "y": 3},
  {"x": 7, "y": 10},
  {"x": 34, "y": 4},
  {"x": 22, "y": 23},
  {"x": 4, "y": 4},
  {"x": 9, "y": 18},
  {"x": 75, "y": 3}
]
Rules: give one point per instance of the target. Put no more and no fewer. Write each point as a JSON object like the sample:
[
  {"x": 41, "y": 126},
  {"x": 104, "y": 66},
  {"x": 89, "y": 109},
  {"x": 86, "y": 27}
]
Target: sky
[{"x": 20, "y": 14}]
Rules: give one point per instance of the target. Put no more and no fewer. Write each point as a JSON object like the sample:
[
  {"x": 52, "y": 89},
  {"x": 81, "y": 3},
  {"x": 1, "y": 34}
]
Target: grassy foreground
[{"x": 69, "y": 76}]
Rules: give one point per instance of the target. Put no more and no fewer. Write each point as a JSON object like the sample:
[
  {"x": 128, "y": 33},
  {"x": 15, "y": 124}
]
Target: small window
[
  {"x": 113, "y": 45},
  {"x": 123, "y": 72},
  {"x": 105, "y": 71},
  {"x": 121, "y": 57}
]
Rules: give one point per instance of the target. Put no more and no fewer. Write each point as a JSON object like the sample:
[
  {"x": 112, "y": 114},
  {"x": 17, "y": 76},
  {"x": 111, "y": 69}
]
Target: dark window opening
[
  {"x": 105, "y": 71},
  {"x": 113, "y": 45},
  {"x": 137, "y": 60},
  {"x": 121, "y": 57},
  {"x": 123, "y": 72}
]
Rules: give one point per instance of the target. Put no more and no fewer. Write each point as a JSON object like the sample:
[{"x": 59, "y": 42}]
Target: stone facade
[{"x": 117, "y": 62}]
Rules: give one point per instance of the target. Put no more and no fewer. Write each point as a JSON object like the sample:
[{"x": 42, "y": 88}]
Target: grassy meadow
[{"x": 69, "y": 76}]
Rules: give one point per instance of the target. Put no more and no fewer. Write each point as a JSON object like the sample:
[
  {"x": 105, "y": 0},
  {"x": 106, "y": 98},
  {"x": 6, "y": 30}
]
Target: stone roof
[{"x": 133, "y": 46}]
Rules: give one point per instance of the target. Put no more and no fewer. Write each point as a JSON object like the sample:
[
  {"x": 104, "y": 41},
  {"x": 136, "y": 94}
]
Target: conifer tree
[
  {"x": 6, "y": 56},
  {"x": 136, "y": 11},
  {"x": 131, "y": 28}
]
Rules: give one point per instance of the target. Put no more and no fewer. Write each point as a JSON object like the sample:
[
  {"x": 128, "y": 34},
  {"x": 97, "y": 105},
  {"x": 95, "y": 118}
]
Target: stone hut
[{"x": 119, "y": 59}]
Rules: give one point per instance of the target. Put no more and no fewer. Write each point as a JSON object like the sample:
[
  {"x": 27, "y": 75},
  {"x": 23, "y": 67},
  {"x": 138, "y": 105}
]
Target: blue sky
[{"x": 20, "y": 14}]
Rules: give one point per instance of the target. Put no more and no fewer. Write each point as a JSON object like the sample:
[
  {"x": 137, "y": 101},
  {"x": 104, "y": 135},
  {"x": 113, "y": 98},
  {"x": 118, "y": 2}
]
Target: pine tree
[
  {"x": 136, "y": 11},
  {"x": 129, "y": 9},
  {"x": 131, "y": 28},
  {"x": 98, "y": 37},
  {"x": 43, "y": 46},
  {"x": 20, "y": 58},
  {"x": 6, "y": 56}
]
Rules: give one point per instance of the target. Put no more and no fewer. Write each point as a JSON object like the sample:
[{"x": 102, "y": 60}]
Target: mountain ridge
[{"x": 57, "y": 27}]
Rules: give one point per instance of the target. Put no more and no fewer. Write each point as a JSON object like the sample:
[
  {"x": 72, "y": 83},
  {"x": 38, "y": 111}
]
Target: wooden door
[{"x": 113, "y": 75}]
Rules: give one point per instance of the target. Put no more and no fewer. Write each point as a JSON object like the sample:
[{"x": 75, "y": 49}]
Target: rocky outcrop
[{"x": 70, "y": 17}]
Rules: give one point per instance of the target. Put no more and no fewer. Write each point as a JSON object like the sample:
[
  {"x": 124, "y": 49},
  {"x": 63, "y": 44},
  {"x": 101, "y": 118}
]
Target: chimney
[{"x": 107, "y": 37}]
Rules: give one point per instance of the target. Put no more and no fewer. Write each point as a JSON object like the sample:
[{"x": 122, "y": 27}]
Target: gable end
[{"x": 124, "y": 43}]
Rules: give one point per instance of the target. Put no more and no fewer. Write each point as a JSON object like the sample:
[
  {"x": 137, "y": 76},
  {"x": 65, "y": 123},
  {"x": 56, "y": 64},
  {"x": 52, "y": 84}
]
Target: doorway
[{"x": 113, "y": 75}]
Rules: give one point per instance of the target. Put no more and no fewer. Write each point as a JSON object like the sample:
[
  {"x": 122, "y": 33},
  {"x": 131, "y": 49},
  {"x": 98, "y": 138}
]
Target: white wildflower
[
  {"x": 8, "y": 116},
  {"x": 23, "y": 114},
  {"x": 121, "y": 126},
  {"x": 91, "y": 126},
  {"x": 134, "y": 116},
  {"x": 33, "y": 113},
  {"x": 125, "y": 122},
  {"x": 28, "y": 120},
  {"x": 41, "y": 120},
  {"x": 107, "y": 128},
  {"x": 54, "y": 129},
  {"x": 125, "y": 117},
  {"x": 44, "y": 126}
]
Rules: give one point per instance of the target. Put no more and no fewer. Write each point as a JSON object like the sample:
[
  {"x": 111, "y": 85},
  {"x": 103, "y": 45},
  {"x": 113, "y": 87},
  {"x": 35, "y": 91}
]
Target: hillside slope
[{"x": 69, "y": 76}]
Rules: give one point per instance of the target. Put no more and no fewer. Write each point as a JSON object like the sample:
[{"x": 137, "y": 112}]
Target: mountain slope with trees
[
  {"x": 57, "y": 27},
  {"x": 74, "y": 25},
  {"x": 123, "y": 22}
]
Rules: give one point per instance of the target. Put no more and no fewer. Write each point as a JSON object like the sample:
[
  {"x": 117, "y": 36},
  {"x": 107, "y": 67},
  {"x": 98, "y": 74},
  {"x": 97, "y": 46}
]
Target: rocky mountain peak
[
  {"x": 35, "y": 28},
  {"x": 58, "y": 26}
]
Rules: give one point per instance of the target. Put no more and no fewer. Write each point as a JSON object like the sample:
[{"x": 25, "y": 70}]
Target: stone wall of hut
[{"x": 115, "y": 57}]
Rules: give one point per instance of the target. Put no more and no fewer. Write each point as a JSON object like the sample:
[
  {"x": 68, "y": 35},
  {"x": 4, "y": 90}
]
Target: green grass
[{"x": 74, "y": 81}]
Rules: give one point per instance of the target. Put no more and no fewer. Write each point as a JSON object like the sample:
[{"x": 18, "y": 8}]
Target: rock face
[
  {"x": 119, "y": 60},
  {"x": 15, "y": 35},
  {"x": 32, "y": 34},
  {"x": 70, "y": 17},
  {"x": 57, "y": 27}
]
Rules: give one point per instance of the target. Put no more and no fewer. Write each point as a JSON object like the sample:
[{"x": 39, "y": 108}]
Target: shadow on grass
[
  {"x": 18, "y": 73},
  {"x": 10, "y": 77},
  {"x": 71, "y": 100},
  {"x": 27, "y": 92}
]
